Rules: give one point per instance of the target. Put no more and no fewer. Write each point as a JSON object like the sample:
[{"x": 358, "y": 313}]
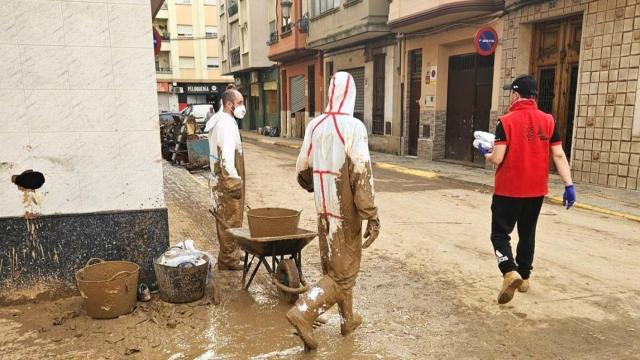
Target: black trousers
[{"x": 506, "y": 213}]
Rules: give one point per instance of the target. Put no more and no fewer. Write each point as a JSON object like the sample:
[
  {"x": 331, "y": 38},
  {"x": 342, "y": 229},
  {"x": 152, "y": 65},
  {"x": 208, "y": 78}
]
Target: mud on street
[{"x": 427, "y": 287}]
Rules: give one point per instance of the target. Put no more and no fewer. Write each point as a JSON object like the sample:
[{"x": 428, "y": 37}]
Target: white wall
[{"x": 78, "y": 103}]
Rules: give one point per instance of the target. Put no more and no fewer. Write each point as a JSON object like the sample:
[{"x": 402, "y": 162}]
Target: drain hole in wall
[{"x": 29, "y": 179}]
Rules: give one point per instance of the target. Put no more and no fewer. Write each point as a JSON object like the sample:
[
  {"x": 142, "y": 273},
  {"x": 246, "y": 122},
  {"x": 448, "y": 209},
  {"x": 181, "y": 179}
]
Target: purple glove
[
  {"x": 569, "y": 197},
  {"x": 484, "y": 150}
]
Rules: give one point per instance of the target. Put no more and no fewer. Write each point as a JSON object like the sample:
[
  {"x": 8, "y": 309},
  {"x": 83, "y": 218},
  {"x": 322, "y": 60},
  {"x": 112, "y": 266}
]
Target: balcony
[
  {"x": 273, "y": 38},
  {"x": 166, "y": 36},
  {"x": 412, "y": 15},
  {"x": 353, "y": 22},
  {"x": 234, "y": 56},
  {"x": 161, "y": 70}
]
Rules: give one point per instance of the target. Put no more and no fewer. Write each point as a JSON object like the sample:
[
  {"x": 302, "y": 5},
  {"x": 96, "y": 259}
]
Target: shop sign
[
  {"x": 486, "y": 41},
  {"x": 201, "y": 89},
  {"x": 163, "y": 86}
]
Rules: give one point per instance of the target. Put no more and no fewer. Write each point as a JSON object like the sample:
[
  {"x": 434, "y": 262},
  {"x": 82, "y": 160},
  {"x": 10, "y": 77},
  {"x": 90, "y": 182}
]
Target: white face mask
[{"x": 240, "y": 111}]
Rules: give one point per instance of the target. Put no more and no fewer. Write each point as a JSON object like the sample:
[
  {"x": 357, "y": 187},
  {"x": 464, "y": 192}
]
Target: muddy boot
[
  {"x": 311, "y": 305},
  {"x": 511, "y": 282},
  {"x": 349, "y": 321},
  {"x": 524, "y": 287}
]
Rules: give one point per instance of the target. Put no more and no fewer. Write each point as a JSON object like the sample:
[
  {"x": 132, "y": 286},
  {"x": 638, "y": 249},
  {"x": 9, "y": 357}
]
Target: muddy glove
[
  {"x": 372, "y": 232},
  {"x": 569, "y": 197},
  {"x": 305, "y": 179},
  {"x": 233, "y": 187}
]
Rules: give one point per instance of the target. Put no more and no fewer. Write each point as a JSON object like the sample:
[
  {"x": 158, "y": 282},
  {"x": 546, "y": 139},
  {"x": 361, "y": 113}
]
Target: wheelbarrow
[{"x": 286, "y": 259}]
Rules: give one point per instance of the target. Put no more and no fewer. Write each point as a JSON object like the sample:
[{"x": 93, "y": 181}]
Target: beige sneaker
[
  {"x": 524, "y": 287},
  {"x": 511, "y": 282}
]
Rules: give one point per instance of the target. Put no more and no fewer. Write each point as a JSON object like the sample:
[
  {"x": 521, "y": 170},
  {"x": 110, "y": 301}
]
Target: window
[
  {"x": 322, "y": 6},
  {"x": 185, "y": 31},
  {"x": 183, "y": 2},
  {"x": 245, "y": 39},
  {"x": 211, "y": 31},
  {"x": 234, "y": 35},
  {"x": 233, "y": 7},
  {"x": 187, "y": 63},
  {"x": 213, "y": 62}
]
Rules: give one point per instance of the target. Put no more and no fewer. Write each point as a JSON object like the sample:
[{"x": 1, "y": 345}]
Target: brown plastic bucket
[
  {"x": 265, "y": 222},
  {"x": 108, "y": 288}
]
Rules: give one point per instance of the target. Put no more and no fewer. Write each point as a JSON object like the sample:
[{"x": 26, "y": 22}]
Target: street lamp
[{"x": 286, "y": 9}]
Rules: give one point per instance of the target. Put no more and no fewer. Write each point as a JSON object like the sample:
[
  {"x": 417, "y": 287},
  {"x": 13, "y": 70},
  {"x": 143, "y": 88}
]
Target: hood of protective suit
[
  {"x": 342, "y": 94},
  {"x": 213, "y": 120}
]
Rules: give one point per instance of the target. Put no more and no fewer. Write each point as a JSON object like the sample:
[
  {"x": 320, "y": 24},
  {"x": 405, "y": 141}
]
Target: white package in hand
[{"x": 485, "y": 138}]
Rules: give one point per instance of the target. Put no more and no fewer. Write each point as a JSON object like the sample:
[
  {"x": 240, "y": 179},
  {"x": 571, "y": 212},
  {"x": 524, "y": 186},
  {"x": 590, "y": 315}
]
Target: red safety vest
[{"x": 524, "y": 171}]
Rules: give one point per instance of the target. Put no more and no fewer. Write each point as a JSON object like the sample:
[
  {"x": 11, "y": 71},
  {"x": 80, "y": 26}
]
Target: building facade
[
  {"x": 450, "y": 90},
  {"x": 89, "y": 67},
  {"x": 188, "y": 66},
  {"x": 354, "y": 37},
  {"x": 301, "y": 68},
  {"x": 584, "y": 54},
  {"x": 244, "y": 30}
]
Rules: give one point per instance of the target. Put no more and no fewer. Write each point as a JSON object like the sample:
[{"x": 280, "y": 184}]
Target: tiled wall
[
  {"x": 605, "y": 150},
  {"x": 78, "y": 103}
]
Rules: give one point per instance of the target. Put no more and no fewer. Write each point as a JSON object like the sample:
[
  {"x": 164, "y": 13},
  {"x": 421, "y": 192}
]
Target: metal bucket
[
  {"x": 181, "y": 284},
  {"x": 108, "y": 288},
  {"x": 267, "y": 222}
]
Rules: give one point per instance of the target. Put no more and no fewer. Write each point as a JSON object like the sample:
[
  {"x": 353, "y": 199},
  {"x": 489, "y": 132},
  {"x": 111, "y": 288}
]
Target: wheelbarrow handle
[
  {"x": 304, "y": 288},
  {"x": 93, "y": 261}
]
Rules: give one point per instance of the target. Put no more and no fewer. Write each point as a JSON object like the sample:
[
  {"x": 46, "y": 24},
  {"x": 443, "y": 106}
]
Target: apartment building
[
  {"x": 301, "y": 68},
  {"x": 585, "y": 55},
  {"x": 354, "y": 37},
  {"x": 188, "y": 65},
  {"x": 243, "y": 36}
]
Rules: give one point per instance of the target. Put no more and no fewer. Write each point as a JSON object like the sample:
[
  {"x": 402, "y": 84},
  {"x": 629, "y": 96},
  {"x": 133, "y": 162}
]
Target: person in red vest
[{"x": 524, "y": 138}]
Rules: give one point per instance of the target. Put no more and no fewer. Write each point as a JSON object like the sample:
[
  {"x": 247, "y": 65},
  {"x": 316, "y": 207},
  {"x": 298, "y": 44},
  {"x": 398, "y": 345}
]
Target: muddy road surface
[{"x": 427, "y": 288}]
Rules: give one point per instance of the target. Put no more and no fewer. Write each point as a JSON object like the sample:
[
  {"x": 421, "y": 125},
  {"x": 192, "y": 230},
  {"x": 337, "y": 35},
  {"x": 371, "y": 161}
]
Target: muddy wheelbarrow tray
[{"x": 276, "y": 247}]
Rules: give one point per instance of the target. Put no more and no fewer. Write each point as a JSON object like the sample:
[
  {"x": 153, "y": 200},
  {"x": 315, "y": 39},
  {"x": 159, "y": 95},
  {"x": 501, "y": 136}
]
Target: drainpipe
[{"x": 401, "y": 43}]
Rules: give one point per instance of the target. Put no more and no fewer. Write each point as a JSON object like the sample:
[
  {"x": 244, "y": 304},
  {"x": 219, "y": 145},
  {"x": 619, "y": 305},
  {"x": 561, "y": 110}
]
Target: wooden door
[
  {"x": 469, "y": 87},
  {"x": 378, "y": 94},
  {"x": 556, "y": 54},
  {"x": 415, "y": 93}
]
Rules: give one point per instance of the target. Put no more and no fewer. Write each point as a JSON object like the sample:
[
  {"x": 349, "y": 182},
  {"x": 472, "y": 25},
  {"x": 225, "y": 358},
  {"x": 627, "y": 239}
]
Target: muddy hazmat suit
[
  {"x": 226, "y": 183},
  {"x": 334, "y": 163}
]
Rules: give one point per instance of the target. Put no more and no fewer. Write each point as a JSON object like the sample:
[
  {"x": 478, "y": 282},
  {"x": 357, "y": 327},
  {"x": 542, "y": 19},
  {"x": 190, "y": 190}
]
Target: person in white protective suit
[
  {"x": 334, "y": 163},
  {"x": 227, "y": 175}
]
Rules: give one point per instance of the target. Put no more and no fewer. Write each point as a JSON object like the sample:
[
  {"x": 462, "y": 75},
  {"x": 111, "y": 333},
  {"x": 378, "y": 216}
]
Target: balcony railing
[
  {"x": 235, "y": 57},
  {"x": 166, "y": 36},
  {"x": 273, "y": 38},
  {"x": 161, "y": 70}
]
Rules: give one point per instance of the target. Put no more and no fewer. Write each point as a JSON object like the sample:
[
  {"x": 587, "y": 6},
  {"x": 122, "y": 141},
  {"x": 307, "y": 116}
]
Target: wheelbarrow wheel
[{"x": 287, "y": 274}]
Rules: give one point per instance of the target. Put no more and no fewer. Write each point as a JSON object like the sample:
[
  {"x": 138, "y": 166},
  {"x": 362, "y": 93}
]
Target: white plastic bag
[
  {"x": 485, "y": 138},
  {"x": 185, "y": 252}
]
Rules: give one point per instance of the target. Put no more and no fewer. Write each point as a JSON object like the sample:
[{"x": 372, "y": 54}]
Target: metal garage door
[
  {"x": 298, "y": 100},
  {"x": 358, "y": 78}
]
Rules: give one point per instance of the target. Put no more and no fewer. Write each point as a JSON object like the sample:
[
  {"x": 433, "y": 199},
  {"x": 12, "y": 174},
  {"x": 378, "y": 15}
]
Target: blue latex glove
[
  {"x": 484, "y": 150},
  {"x": 569, "y": 197}
]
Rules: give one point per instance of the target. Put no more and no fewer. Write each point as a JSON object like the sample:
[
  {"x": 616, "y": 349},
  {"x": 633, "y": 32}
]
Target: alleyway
[{"x": 427, "y": 287}]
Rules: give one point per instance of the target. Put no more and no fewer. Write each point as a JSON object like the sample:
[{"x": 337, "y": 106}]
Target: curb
[{"x": 427, "y": 174}]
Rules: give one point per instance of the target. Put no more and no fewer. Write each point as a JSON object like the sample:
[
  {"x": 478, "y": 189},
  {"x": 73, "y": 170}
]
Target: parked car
[{"x": 198, "y": 111}]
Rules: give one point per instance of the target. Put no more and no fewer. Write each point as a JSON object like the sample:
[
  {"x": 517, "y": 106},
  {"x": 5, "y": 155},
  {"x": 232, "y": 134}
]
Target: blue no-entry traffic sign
[{"x": 486, "y": 41}]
